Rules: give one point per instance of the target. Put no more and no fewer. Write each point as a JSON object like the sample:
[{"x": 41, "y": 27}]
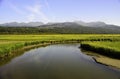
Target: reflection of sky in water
[{"x": 55, "y": 62}]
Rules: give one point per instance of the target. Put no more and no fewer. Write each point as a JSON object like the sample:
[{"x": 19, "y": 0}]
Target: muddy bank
[
  {"x": 108, "y": 61},
  {"x": 111, "y": 62}
]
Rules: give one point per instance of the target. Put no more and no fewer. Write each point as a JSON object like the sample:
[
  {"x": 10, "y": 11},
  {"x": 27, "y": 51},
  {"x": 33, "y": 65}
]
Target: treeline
[{"x": 57, "y": 30}]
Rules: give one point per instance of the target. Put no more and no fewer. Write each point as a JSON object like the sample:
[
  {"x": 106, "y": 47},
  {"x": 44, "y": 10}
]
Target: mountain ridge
[
  {"x": 62, "y": 28},
  {"x": 35, "y": 24}
]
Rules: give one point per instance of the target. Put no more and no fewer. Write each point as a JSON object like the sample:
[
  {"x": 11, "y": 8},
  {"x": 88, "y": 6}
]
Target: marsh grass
[
  {"x": 111, "y": 49},
  {"x": 9, "y": 43}
]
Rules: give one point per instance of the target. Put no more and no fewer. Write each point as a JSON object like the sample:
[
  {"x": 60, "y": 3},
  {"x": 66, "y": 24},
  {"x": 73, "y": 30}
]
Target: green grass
[
  {"x": 91, "y": 37},
  {"x": 108, "y": 45},
  {"x": 9, "y": 43},
  {"x": 6, "y": 49},
  {"x": 111, "y": 49}
]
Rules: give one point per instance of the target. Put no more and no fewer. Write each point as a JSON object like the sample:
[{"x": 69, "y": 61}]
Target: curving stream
[{"x": 62, "y": 61}]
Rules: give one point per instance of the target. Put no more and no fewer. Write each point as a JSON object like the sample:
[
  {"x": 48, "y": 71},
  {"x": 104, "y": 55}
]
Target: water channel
[{"x": 61, "y": 61}]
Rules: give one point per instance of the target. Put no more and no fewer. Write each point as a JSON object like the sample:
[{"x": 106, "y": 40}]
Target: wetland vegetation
[{"x": 109, "y": 42}]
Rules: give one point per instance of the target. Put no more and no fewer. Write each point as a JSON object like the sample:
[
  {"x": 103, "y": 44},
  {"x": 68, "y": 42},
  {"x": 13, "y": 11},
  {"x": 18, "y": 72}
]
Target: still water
[{"x": 62, "y": 61}]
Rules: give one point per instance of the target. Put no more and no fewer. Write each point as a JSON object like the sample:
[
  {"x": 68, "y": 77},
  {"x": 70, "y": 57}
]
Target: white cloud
[
  {"x": 14, "y": 7},
  {"x": 35, "y": 8},
  {"x": 33, "y": 12},
  {"x": 37, "y": 13}
]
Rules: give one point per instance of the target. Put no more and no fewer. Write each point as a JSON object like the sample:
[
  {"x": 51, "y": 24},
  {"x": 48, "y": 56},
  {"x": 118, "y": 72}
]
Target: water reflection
[{"x": 63, "y": 61}]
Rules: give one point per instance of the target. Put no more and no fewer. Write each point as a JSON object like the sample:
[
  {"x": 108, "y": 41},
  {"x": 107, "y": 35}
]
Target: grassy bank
[
  {"x": 9, "y": 43},
  {"x": 111, "y": 49}
]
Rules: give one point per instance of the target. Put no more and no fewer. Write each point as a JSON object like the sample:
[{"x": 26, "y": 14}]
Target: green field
[{"x": 9, "y": 43}]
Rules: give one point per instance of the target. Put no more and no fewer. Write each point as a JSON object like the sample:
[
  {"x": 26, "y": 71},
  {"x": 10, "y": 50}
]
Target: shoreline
[
  {"x": 21, "y": 50},
  {"x": 98, "y": 59},
  {"x": 114, "y": 63},
  {"x": 29, "y": 45},
  {"x": 104, "y": 60}
]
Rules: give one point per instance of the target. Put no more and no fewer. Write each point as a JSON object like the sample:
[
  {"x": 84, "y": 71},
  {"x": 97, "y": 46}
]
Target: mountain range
[
  {"x": 76, "y": 27},
  {"x": 35, "y": 24}
]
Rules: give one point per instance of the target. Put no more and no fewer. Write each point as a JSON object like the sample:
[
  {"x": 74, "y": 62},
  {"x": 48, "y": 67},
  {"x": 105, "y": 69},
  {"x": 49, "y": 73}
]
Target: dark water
[{"x": 63, "y": 61}]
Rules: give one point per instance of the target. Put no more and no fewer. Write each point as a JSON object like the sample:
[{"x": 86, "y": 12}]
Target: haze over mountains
[
  {"x": 91, "y": 24},
  {"x": 35, "y": 24},
  {"x": 76, "y": 27},
  {"x": 16, "y": 24}
]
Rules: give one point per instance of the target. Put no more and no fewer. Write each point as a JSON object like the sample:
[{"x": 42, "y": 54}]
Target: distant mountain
[
  {"x": 99, "y": 25},
  {"x": 65, "y": 24},
  {"x": 77, "y": 27},
  {"x": 82, "y": 27},
  {"x": 91, "y": 24},
  {"x": 16, "y": 24}
]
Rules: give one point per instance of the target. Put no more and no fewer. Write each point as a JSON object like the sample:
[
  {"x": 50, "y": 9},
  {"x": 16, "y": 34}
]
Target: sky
[{"x": 60, "y": 11}]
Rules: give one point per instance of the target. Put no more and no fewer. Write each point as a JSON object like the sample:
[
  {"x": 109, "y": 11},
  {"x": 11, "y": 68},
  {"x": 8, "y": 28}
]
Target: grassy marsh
[{"x": 9, "y": 43}]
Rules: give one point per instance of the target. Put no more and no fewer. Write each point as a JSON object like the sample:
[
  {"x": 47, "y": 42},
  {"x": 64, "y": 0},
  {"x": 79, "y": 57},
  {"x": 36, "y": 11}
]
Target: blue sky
[{"x": 60, "y": 10}]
